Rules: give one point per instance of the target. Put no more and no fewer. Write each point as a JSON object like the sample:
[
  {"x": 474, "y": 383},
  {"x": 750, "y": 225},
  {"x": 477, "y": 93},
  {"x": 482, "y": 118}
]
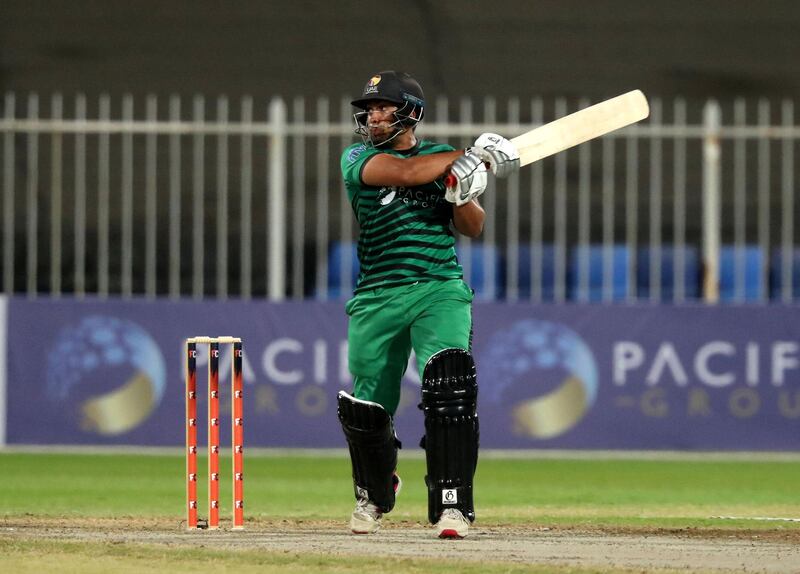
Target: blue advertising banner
[{"x": 557, "y": 376}]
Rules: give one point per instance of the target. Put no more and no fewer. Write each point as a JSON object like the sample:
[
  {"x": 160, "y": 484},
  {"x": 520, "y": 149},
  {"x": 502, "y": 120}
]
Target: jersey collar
[{"x": 410, "y": 151}]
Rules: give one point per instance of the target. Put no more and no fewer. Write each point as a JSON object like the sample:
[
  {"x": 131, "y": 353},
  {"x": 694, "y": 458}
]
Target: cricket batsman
[{"x": 411, "y": 294}]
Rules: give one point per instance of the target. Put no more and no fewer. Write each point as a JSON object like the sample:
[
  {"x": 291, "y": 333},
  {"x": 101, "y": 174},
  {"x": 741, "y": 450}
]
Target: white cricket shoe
[
  {"x": 452, "y": 524},
  {"x": 366, "y": 518}
]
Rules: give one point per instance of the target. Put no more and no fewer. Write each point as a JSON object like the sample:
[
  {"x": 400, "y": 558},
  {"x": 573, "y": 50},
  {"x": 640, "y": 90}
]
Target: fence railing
[{"x": 171, "y": 197}]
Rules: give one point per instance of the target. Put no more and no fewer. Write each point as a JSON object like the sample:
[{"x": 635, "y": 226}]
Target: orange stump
[
  {"x": 191, "y": 436},
  {"x": 213, "y": 435},
  {"x": 237, "y": 437},
  {"x": 237, "y": 432}
]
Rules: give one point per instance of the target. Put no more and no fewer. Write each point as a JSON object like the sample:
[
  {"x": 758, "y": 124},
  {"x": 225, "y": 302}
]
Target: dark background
[
  {"x": 597, "y": 48},
  {"x": 579, "y": 50}
]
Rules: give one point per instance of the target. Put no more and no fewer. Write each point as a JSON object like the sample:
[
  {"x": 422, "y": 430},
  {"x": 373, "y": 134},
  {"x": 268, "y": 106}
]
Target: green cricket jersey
[{"x": 405, "y": 233}]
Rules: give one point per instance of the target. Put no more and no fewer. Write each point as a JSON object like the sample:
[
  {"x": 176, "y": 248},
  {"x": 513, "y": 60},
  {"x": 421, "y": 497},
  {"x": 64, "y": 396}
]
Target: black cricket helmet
[{"x": 400, "y": 89}]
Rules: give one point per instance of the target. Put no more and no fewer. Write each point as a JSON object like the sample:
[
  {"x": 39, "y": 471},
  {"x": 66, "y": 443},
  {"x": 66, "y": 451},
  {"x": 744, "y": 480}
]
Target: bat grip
[{"x": 450, "y": 181}]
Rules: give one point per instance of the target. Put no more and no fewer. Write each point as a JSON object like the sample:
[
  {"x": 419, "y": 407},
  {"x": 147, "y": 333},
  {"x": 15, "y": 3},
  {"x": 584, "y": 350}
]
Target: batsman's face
[{"x": 381, "y": 120}]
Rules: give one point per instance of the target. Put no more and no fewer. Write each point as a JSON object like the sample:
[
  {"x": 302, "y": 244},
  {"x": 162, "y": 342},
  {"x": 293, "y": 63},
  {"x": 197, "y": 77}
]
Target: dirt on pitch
[{"x": 768, "y": 551}]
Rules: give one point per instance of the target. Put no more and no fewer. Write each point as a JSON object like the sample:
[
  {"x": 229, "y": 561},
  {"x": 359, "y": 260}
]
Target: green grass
[
  {"x": 548, "y": 492},
  {"x": 146, "y": 492}
]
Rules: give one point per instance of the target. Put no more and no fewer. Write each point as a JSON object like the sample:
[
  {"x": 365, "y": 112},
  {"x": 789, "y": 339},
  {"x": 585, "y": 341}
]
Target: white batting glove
[
  {"x": 501, "y": 155},
  {"x": 469, "y": 172}
]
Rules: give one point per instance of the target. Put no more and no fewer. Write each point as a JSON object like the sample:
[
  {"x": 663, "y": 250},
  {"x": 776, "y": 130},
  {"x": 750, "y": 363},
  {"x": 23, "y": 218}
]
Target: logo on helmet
[{"x": 372, "y": 85}]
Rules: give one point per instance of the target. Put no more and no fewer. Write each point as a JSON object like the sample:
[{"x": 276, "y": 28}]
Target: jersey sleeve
[
  {"x": 439, "y": 147},
  {"x": 353, "y": 160}
]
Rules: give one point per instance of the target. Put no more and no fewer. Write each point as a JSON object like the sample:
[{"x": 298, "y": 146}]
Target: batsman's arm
[
  {"x": 386, "y": 169},
  {"x": 468, "y": 218}
]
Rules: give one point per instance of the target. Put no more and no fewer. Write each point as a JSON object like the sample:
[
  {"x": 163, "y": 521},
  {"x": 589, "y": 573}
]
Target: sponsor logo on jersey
[
  {"x": 413, "y": 197},
  {"x": 387, "y": 199},
  {"x": 416, "y": 197},
  {"x": 355, "y": 152}
]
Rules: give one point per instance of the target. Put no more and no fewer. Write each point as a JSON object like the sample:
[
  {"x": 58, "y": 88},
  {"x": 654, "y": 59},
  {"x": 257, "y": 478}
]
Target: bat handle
[{"x": 450, "y": 181}]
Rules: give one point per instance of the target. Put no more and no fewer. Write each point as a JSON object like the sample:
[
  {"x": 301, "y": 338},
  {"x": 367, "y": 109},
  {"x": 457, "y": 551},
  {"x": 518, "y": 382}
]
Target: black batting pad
[
  {"x": 370, "y": 436},
  {"x": 449, "y": 401}
]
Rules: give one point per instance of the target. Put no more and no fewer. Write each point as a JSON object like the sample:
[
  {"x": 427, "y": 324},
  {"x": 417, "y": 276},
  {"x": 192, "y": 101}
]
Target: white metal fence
[{"x": 192, "y": 197}]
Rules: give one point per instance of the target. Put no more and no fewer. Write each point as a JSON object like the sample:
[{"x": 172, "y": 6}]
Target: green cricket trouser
[{"x": 386, "y": 323}]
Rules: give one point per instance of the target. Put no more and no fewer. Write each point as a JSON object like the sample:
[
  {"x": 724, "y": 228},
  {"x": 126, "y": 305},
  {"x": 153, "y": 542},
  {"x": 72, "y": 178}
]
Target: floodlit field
[{"x": 98, "y": 512}]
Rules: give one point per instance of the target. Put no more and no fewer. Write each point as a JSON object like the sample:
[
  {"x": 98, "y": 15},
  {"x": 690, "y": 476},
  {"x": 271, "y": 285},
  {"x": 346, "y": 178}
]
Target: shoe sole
[
  {"x": 358, "y": 528},
  {"x": 354, "y": 531},
  {"x": 451, "y": 534}
]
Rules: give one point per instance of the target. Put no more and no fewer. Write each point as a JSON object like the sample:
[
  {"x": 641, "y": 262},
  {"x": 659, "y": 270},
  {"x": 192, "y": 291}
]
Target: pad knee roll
[
  {"x": 449, "y": 402},
  {"x": 373, "y": 446}
]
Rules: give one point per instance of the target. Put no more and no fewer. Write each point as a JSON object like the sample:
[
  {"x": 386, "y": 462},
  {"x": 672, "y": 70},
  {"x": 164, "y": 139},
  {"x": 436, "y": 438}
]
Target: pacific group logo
[
  {"x": 108, "y": 372},
  {"x": 545, "y": 371},
  {"x": 386, "y": 195}
]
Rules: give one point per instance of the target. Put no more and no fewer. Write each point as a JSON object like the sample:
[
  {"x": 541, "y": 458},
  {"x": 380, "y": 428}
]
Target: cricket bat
[{"x": 579, "y": 127}]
